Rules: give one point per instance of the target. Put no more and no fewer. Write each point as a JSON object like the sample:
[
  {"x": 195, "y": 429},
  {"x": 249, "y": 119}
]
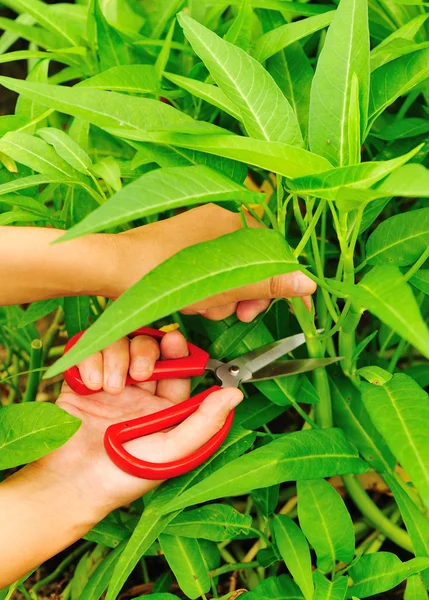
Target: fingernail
[
  {"x": 302, "y": 284},
  {"x": 96, "y": 378},
  {"x": 234, "y": 398},
  {"x": 115, "y": 380},
  {"x": 141, "y": 365},
  {"x": 202, "y": 312}
]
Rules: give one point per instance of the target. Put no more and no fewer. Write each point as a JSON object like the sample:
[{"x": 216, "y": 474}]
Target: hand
[
  {"x": 83, "y": 458},
  {"x": 158, "y": 241}
]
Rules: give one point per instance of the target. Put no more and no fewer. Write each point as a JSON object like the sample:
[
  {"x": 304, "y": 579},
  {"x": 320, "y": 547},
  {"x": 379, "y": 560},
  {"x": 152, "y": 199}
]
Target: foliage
[{"x": 130, "y": 111}]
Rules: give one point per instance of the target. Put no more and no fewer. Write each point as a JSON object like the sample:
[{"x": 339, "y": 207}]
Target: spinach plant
[{"x": 312, "y": 117}]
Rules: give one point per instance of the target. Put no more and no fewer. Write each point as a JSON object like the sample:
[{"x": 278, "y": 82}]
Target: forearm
[
  {"x": 40, "y": 515},
  {"x": 31, "y": 268}
]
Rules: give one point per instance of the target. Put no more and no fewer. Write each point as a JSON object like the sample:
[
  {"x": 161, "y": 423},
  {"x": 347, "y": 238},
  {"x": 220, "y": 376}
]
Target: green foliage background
[{"x": 327, "y": 105}]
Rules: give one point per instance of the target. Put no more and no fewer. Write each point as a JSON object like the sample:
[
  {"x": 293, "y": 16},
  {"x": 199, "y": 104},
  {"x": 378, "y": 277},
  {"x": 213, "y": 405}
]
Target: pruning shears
[{"x": 255, "y": 365}]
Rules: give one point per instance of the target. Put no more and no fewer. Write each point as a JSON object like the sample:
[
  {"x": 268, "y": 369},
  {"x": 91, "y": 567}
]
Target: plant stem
[
  {"x": 50, "y": 335},
  {"x": 311, "y": 226},
  {"x": 34, "y": 372},
  {"x": 374, "y": 514},
  {"x": 234, "y": 567},
  {"x": 416, "y": 266}
]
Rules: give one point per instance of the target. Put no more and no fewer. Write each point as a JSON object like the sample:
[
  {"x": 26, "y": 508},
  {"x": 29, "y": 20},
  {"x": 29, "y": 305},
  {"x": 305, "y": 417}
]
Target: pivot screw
[{"x": 234, "y": 370}]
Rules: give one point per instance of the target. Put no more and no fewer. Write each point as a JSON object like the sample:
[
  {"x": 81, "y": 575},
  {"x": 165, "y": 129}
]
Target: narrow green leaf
[
  {"x": 421, "y": 280},
  {"x": 266, "y": 498},
  {"x": 111, "y": 48},
  {"x": 134, "y": 79},
  {"x": 280, "y": 588},
  {"x": 301, "y": 455},
  {"x": 266, "y": 116},
  {"x": 415, "y": 521},
  {"x": 99, "y": 580},
  {"x": 380, "y": 55},
  {"x": 185, "y": 560},
  {"x": 284, "y": 5},
  {"x": 76, "y": 312},
  {"x": 351, "y": 415},
  {"x": 329, "y": 590},
  {"x": 273, "y": 156},
  {"x": 415, "y": 589},
  {"x": 277, "y": 39},
  {"x": 395, "y": 79},
  {"x": 353, "y": 127},
  {"x": 383, "y": 292},
  {"x": 382, "y": 571},
  {"x": 66, "y": 148},
  {"x": 404, "y": 128},
  {"x": 38, "y": 310},
  {"x": 163, "y": 56},
  {"x": 28, "y": 182},
  {"x": 206, "y": 91},
  {"x": 393, "y": 408},
  {"x": 216, "y": 522},
  {"x": 27, "y": 107},
  {"x": 346, "y": 51},
  {"x": 29, "y": 431},
  {"x": 240, "y": 31},
  {"x": 399, "y": 240},
  {"x": 161, "y": 190},
  {"x": 333, "y": 539},
  {"x": 41, "y": 37},
  {"x": 295, "y": 552},
  {"x": 217, "y": 266},
  {"x": 108, "y": 169}
]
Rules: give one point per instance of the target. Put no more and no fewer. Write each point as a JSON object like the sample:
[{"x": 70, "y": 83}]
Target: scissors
[{"x": 255, "y": 365}]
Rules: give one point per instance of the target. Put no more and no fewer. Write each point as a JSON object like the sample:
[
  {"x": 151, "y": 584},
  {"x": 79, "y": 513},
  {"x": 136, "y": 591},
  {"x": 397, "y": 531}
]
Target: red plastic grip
[
  {"x": 116, "y": 435},
  {"x": 190, "y": 366}
]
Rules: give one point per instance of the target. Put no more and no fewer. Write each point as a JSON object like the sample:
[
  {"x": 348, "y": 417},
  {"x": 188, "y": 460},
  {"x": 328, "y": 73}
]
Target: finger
[
  {"x": 144, "y": 352},
  {"x": 289, "y": 285},
  {"x": 174, "y": 346},
  {"x": 217, "y": 313},
  {"x": 116, "y": 359},
  {"x": 91, "y": 371},
  {"x": 202, "y": 425},
  {"x": 247, "y": 310},
  {"x": 307, "y": 302}
]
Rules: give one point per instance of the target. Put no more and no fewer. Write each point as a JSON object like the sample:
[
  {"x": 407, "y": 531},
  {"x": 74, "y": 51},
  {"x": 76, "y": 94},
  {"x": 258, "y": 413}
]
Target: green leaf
[
  {"x": 382, "y": 571},
  {"x": 151, "y": 523},
  {"x": 266, "y": 498},
  {"x": 399, "y": 240},
  {"x": 421, "y": 280},
  {"x": 36, "y": 154},
  {"x": 329, "y": 590},
  {"x": 28, "y": 204},
  {"x": 284, "y": 5},
  {"x": 76, "y": 312},
  {"x": 273, "y": 156},
  {"x": 402, "y": 129},
  {"x": 295, "y": 552},
  {"x": 108, "y": 109},
  {"x": 240, "y": 31},
  {"x": 29, "y": 431},
  {"x": 300, "y": 455},
  {"x": 206, "y": 91},
  {"x": 346, "y": 51},
  {"x": 291, "y": 70},
  {"x": 415, "y": 521},
  {"x": 26, "y": 107},
  {"x": 277, "y": 39},
  {"x": 134, "y": 79},
  {"x": 216, "y": 522},
  {"x": 280, "y": 588},
  {"x": 161, "y": 190},
  {"x": 326, "y": 523},
  {"x": 415, "y": 589},
  {"x": 266, "y": 116},
  {"x": 110, "y": 46},
  {"x": 66, "y": 148},
  {"x": 252, "y": 415},
  {"x": 41, "y": 37},
  {"x": 326, "y": 185},
  {"x": 380, "y": 55},
  {"x": 38, "y": 310},
  {"x": 99, "y": 580},
  {"x": 184, "y": 558},
  {"x": 108, "y": 169},
  {"x": 28, "y": 182},
  {"x": 351, "y": 415},
  {"x": 233, "y": 260},
  {"x": 395, "y": 79},
  {"x": 393, "y": 408},
  {"x": 383, "y": 292},
  {"x": 353, "y": 127}
]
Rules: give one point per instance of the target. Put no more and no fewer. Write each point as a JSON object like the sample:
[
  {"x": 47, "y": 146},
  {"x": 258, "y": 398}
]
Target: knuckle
[{"x": 276, "y": 287}]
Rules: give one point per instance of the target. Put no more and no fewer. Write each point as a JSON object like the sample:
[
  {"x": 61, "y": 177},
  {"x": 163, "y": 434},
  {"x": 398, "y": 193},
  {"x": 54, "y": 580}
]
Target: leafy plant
[{"x": 312, "y": 117}]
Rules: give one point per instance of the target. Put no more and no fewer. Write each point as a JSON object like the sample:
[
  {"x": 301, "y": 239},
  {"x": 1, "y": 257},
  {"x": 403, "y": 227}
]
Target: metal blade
[
  {"x": 255, "y": 360},
  {"x": 283, "y": 368}
]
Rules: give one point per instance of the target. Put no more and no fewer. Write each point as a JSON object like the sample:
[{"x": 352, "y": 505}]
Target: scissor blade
[
  {"x": 255, "y": 360},
  {"x": 283, "y": 368}
]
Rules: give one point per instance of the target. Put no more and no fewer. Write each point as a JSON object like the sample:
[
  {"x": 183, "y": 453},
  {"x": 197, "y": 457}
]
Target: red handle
[
  {"x": 119, "y": 433},
  {"x": 190, "y": 366}
]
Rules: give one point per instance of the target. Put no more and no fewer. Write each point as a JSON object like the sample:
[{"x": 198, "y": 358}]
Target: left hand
[{"x": 83, "y": 459}]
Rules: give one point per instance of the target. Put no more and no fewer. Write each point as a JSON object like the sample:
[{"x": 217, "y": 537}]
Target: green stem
[
  {"x": 234, "y": 567},
  {"x": 60, "y": 568},
  {"x": 50, "y": 335},
  {"x": 400, "y": 348},
  {"x": 416, "y": 266},
  {"x": 34, "y": 372},
  {"x": 323, "y": 410},
  {"x": 310, "y": 228},
  {"x": 374, "y": 515}
]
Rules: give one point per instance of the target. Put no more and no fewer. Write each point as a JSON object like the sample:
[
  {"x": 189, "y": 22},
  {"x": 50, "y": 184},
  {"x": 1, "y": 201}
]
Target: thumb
[
  {"x": 193, "y": 433},
  {"x": 288, "y": 285}
]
